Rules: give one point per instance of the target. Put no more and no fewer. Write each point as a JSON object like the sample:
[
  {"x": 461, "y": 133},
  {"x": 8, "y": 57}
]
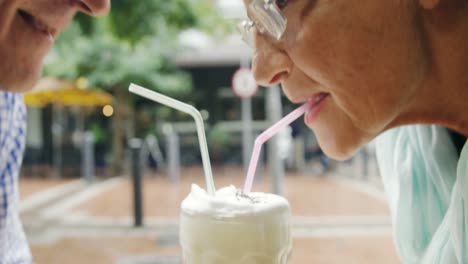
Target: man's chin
[{"x": 20, "y": 84}]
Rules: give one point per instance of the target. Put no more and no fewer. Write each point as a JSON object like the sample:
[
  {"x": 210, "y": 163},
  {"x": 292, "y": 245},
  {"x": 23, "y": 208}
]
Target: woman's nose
[
  {"x": 270, "y": 64},
  {"x": 94, "y": 7}
]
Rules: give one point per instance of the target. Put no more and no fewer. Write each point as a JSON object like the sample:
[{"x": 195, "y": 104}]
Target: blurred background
[{"x": 105, "y": 171}]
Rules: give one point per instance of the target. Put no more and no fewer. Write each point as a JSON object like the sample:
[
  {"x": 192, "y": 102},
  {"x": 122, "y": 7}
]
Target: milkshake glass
[{"x": 233, "y": 228}]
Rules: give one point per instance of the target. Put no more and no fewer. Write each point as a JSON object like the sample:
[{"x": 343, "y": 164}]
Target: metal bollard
[
  {"x": 87, "y": 165},
  {"x": 365, "y": 164},
  {"x": 173, "y": 148},
  {"x": 173, "y": 153},
  {"x": 136, "y": 145},
  {"x": 275, "y": 163}
]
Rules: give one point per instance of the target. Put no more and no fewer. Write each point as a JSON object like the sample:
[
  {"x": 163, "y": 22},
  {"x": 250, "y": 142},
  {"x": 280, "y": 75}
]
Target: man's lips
[{"x": 37, "y": 24}]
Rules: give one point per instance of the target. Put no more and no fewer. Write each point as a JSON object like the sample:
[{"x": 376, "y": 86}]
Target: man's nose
[
  {"x": 94, "y": 7},
  {"x": 270, "y": 64}
]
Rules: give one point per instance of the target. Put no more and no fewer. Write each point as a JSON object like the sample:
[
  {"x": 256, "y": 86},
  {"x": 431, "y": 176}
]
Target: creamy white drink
[{"x": 234, "y": 228}]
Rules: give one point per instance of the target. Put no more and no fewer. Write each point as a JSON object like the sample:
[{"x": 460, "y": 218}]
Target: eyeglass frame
[{"x": 274, "y": 22}]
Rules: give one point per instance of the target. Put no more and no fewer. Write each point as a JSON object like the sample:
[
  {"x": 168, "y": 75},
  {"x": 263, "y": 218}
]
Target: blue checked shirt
[{"x": 13, "y": 245}]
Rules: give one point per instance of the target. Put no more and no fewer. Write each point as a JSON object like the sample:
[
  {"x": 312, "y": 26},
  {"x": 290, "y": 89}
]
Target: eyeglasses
[{"x": 266, "y": 19}]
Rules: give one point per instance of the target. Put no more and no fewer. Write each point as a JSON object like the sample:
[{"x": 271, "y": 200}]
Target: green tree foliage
[
  {"x": 133, "y": 20},
  {"x": 112, "y": 64},
  {"x": 132, "y": 44}
]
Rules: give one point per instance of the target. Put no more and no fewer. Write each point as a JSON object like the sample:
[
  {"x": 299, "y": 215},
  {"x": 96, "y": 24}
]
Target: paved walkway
[
  {"x": 334, "y": 220},
  {"x": 29, "y": 187}
]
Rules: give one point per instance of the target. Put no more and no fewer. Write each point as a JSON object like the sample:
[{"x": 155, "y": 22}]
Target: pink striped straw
[{"x": 266, "y": 135}]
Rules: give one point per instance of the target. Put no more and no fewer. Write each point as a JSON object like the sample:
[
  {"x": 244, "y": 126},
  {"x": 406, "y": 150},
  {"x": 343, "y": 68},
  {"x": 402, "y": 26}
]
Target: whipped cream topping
[{"x": 231, "y": 202}]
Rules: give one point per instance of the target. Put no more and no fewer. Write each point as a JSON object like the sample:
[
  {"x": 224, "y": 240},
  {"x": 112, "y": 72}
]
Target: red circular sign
[{"x": 243, "y": 83}]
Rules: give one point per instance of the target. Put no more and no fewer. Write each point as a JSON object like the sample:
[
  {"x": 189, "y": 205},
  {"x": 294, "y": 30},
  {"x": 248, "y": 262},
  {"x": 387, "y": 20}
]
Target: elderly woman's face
[
  {"x": 27, "y": 31},
  {"x": 366, "y": 56}
]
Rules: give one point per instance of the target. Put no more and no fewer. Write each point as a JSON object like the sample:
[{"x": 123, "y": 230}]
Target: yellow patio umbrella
[{"x": 67, "y": 93}]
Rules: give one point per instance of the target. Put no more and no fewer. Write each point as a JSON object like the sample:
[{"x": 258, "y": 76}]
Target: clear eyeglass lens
[
  {"x": 268, "y": 18},
  {"x": 247, "y": 29}
]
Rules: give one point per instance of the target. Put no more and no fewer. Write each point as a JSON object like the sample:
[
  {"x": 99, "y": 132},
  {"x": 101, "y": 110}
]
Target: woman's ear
[{"x": 429, "y": 4}]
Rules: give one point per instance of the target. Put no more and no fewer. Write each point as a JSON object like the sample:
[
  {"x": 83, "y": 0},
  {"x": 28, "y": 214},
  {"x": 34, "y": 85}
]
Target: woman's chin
[
  {"x": 337, "y": 152},
  {"x": 340, "y": 144}
]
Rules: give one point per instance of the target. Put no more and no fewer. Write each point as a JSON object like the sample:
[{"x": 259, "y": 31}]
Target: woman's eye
[{"x": 281, "y": 4}]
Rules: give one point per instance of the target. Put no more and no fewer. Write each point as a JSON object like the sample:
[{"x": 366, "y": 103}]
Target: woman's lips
[{"x": 317, "y": 105}]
